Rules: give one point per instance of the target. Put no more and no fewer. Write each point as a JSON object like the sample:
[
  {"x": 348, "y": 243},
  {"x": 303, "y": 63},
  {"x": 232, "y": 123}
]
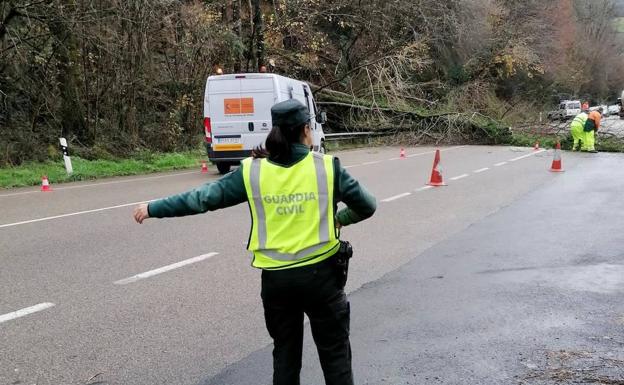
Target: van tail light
[{"x": 208, "y": 130}]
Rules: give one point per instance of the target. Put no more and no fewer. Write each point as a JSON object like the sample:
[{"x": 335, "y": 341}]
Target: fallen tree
[{"x": 409, "y": 125}]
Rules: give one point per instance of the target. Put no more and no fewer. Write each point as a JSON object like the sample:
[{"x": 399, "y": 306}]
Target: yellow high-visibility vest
[
  {"x": 292, "y": 210},
  {"x": 580, "y": 119}
]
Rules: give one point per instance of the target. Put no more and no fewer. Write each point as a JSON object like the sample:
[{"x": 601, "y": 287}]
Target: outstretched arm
[{"x": 225, "y": 192}]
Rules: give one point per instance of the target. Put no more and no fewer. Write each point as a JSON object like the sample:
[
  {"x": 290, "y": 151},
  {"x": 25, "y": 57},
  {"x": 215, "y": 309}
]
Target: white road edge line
[
  {"x": 407, "y": 156},
  {"x": 460, "y": 177},
  {"x": 421, "y": 153},
  {"x": 500, "y": 164},
  {"x": 453, "y": 148},
  {"x": 373, "y": 162},
  {"x": 424, "y": 188},
  {"x": 102, "y": 183},
  {"x": 396, "y": 197},
  {"x": 72, "y": 214},
  {"x": 25, "y": 311},
  {"x": 136, "y": 203},
  {"x": 429, "y": 152},
  {"x": 164, "y": 269},
  {"x": 481, "y": 170},
  {"x": 526, "y": 156}
]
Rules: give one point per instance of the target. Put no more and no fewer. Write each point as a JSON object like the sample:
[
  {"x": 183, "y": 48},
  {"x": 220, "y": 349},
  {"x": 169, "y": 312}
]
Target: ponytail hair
[{"x": 279, "y": 142}]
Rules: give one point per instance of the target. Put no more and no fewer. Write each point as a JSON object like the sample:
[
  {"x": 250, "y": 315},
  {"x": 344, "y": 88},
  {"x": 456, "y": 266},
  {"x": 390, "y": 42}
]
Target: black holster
[{"x": 341, "y": 262}]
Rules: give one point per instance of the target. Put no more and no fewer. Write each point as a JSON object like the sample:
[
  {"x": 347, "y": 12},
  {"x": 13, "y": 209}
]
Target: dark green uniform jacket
[{"x": 230, "y": 191}]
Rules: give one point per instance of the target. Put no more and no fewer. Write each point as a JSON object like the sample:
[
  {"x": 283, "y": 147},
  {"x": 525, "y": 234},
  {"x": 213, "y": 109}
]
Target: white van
[
  {"x": 237, "y": 114},
  {"x": 568, "y": 109}
]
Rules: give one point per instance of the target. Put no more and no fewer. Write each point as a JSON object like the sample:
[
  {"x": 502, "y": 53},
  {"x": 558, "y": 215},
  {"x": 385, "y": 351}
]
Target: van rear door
[
  {"x": 573, "y": 108},
  {"x": 240, "y": 111}
]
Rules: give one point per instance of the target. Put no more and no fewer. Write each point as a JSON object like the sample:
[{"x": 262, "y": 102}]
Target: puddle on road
[{"x": 603, "y": 278}]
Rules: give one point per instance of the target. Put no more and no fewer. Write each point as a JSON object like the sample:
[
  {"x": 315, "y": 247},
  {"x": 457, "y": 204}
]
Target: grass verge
[{"x": 29, "y": 174}]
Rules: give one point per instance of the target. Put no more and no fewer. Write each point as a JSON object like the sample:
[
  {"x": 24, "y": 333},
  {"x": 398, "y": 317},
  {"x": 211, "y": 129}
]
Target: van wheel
[
  {"x": 223, "y": 167},
  {"x": 323, "y": 149}
]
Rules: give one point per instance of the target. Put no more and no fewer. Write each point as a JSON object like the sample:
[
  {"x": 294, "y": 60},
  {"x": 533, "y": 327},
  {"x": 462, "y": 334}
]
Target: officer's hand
[
  {"x": 141, "y": 213},
  {"x": 338, "y": 224}
]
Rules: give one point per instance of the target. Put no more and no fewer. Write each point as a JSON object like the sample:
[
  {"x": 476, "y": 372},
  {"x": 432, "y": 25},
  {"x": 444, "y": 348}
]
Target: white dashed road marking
[
  {"x": 460, "y": 177},
  {"x": 164, "y": 176},
  {"x": 164, "y": 269},
  {"x": 25, "y": 311},
  {"x": 527, "y": 155},
  {"x": 420, "y": 154},
  {"x": 478, "y": 171},
  {"x": 396, "y": 197}
]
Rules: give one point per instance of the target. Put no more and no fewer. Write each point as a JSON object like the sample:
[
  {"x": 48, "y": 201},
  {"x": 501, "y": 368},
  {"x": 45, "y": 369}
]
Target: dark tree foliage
[{"x": 114, "y": 76}]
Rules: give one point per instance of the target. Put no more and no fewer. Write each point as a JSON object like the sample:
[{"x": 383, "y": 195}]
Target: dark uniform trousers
[{"x": 315, "y": 291}]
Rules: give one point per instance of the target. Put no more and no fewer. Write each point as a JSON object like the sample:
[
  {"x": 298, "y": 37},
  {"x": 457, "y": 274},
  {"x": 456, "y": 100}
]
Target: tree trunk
[
  {"x": 67, "y": 55},
  {"x": 259, "y": 34},
  {"x": 7, "y": 19},
  {"x": 251, "y": 51},
  {"x": 237, "y": 28}
]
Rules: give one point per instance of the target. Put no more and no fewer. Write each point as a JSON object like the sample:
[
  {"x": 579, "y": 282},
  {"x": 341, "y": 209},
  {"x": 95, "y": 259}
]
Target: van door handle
[{"x": 250, "y": 126}]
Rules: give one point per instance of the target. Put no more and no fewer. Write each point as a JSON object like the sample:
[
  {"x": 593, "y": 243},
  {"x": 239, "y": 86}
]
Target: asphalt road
[{"x": 450, "y": 283}]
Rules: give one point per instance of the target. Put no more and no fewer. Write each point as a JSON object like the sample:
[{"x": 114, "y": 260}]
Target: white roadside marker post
[{"x": 66, "y": 158}]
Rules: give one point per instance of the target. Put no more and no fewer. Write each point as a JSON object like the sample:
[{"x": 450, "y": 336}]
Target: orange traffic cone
[
  {"x": 556, "y": 163},
  {"x": 436, "y": 172},
  {"x": 45, "y": 184},
  {"x": 402, "y": 153},
  {"x": 204, "y": 167},
  {"x": 536, "y": 147}
]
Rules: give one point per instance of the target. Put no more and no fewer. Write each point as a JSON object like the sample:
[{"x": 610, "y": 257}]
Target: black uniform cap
[{"x": 290, "y": 113}]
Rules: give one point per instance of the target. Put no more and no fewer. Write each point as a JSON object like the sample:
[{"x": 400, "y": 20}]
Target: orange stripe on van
[
  {"x": 238, "y": 106},
  {"x": 227, "y": 147}
]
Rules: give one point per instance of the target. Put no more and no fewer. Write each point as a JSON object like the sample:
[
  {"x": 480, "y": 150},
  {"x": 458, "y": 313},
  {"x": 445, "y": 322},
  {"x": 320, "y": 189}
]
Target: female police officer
[{"x": 293, "y": 195}]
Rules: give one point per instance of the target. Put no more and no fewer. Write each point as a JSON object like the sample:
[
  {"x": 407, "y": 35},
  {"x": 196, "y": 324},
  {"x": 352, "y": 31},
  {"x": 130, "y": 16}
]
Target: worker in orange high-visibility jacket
[{"x": 591, "y": 127}]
